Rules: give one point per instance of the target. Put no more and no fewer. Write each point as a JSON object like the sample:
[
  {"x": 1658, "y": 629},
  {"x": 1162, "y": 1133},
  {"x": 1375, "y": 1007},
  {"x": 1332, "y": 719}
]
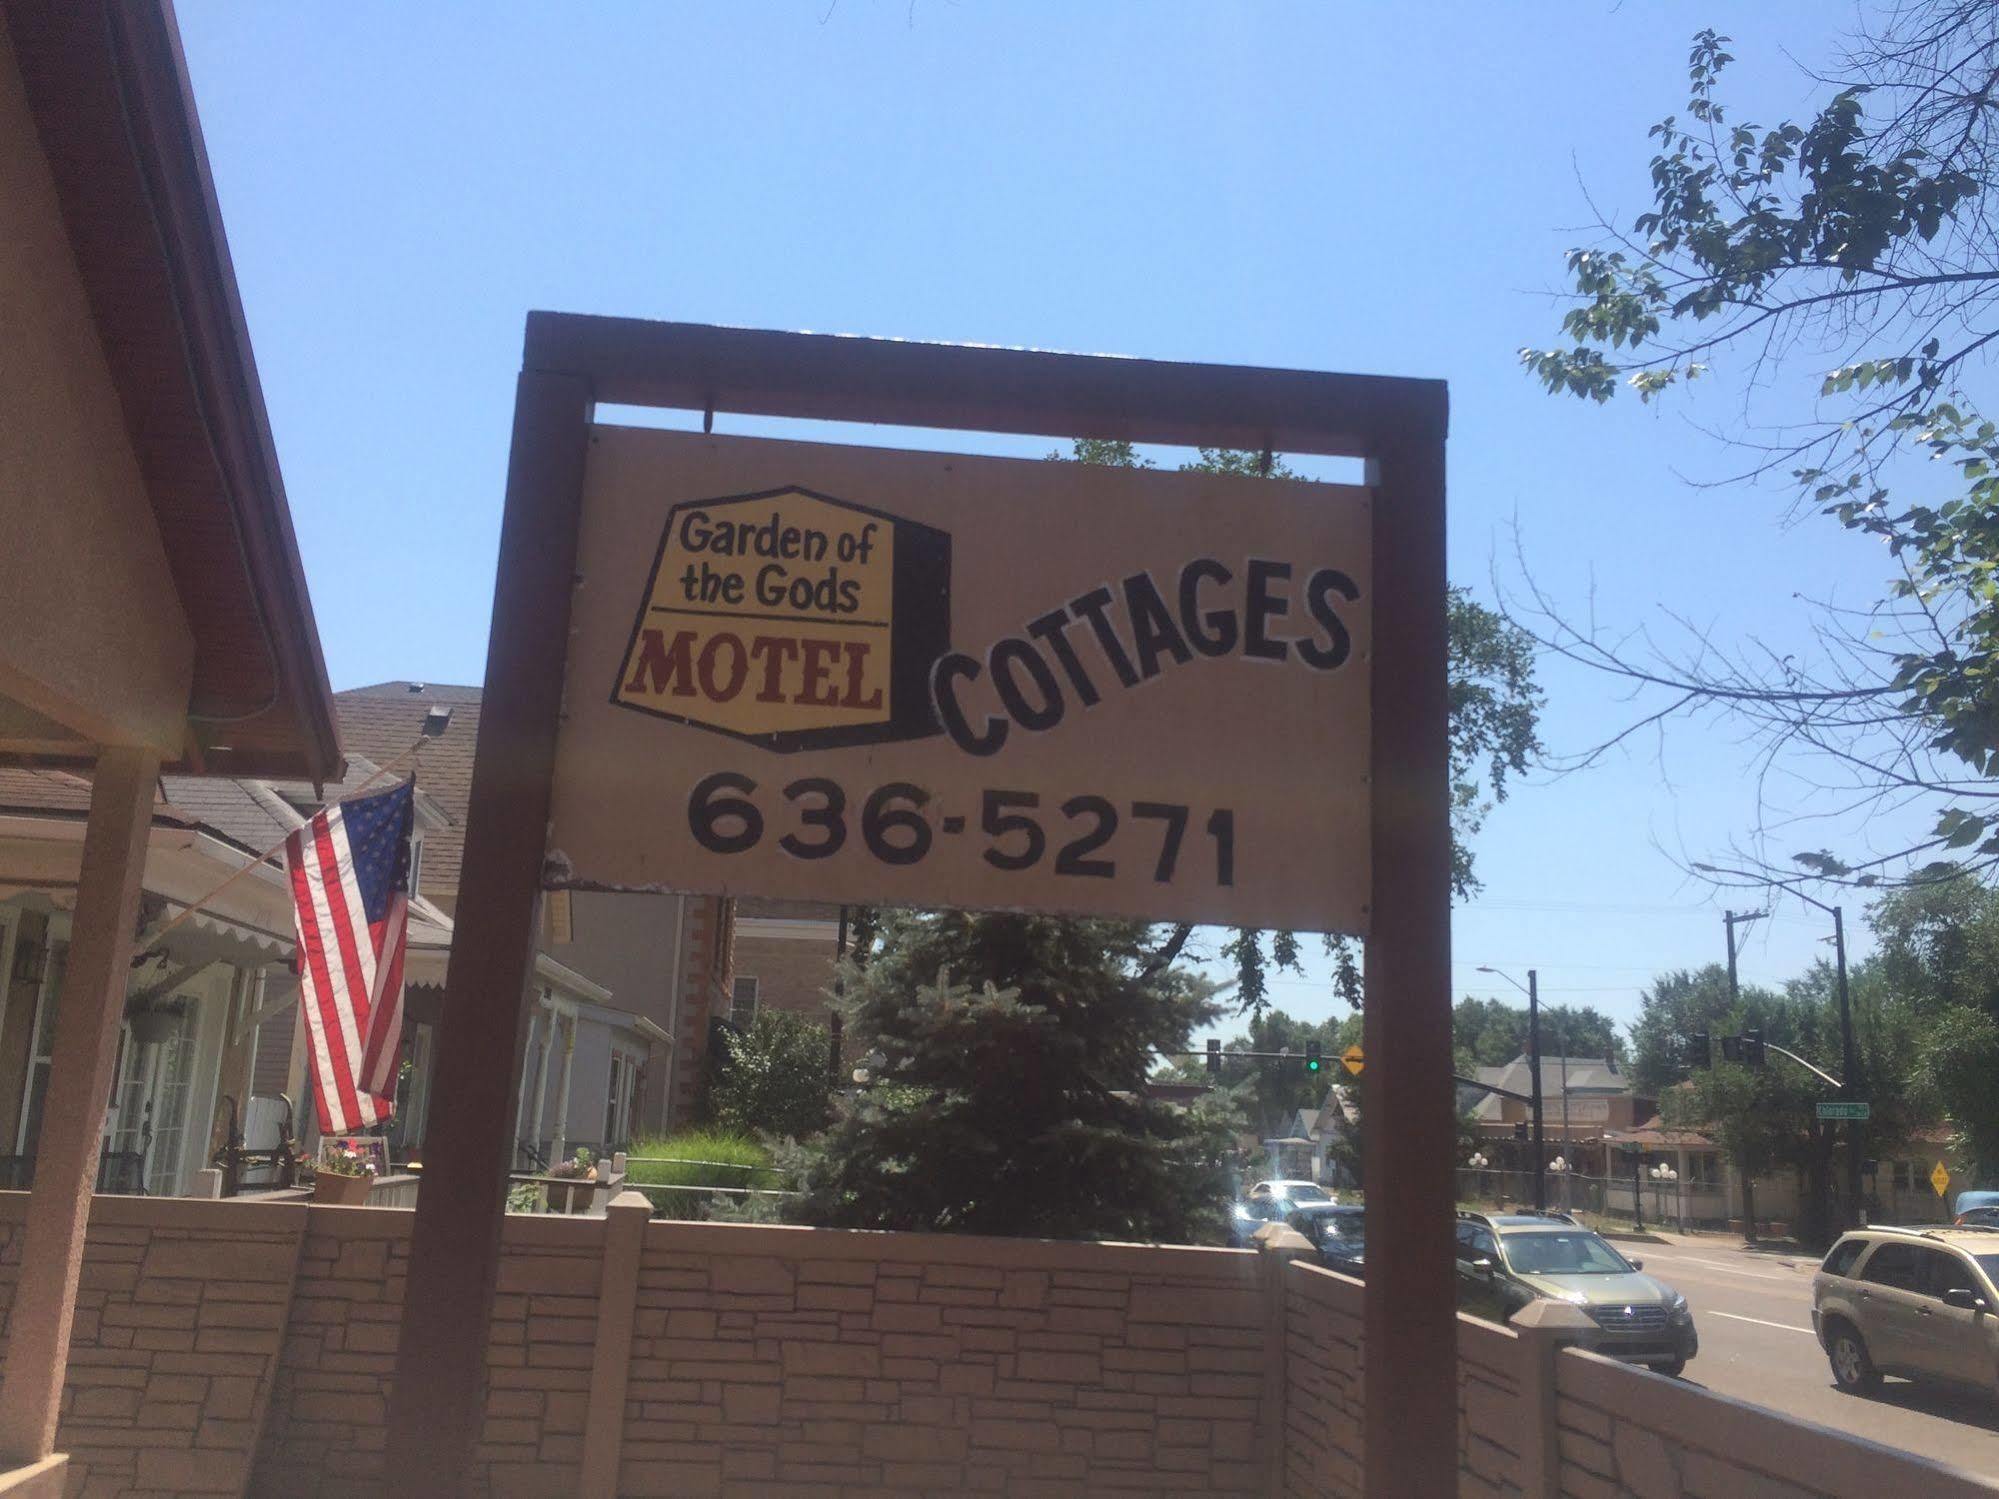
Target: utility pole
[
  {"x": 1729, "y": 919},
  {"x": 1533, "y": 992},
  {"x": 1856, "y": 1129},
  {"x": 1534, "y": 1089}
]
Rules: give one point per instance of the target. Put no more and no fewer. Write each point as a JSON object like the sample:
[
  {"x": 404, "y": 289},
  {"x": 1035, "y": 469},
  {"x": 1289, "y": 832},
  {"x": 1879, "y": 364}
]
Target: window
[
  {"x": 1475, "y": 1242},
  {"x": 1893, "y": 1265},
  {"x": 1540, "y": 1253},
  {"x": 619, "y": 1093},
  {"x": 41, "y": 1049},
  {"x": 1844, "y": 1253},
  {"x": 416, "y": 863},
  {"x": 1946, "y": 1272},
  {"x": 743, "y": 1003},
  {"x": 1902, "y": 1176}
]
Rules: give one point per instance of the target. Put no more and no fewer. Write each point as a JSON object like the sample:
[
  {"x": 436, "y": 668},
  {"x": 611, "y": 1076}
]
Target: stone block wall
[
  {"x": 180, "y": 1315},
  {"x": 777, "y": 1361},
  {"x": 329, "y": 1410},
  {"x": 1322, "y": 1406},
  {"x": 228, "y": 1347},
  {"x": 1624, "y": 1431}
]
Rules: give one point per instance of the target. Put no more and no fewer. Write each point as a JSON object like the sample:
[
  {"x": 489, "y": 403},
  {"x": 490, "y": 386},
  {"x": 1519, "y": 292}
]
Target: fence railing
[
  {"x": 692, "y": 1200},
  {"x": 1670, "y": 1204}
]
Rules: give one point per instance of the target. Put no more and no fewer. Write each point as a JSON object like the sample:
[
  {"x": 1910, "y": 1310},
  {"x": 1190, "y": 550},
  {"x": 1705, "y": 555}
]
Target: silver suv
[{"x": 1922, "y": 1303}]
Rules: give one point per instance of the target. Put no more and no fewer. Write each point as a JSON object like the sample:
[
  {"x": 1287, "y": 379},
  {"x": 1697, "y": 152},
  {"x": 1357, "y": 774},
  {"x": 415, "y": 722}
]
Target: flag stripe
[
  {"x": 331, "y": 892},
  {"x": 349, "y": 868},
  {"x": 316, "y": 994}
]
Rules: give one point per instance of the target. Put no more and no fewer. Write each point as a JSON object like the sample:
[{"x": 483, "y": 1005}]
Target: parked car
[
  {"x": 1268, "y": 1202},
  {"x": 1506, "y": 1261},
  {"x": 1910, "y": 1301},
  {"x": 1975, "y": 1208},
  {"x": 1338, "y": 1233}
]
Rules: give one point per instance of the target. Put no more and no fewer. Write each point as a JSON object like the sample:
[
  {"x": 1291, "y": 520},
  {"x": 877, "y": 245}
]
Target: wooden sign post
[{"x": 728, "y": 665}]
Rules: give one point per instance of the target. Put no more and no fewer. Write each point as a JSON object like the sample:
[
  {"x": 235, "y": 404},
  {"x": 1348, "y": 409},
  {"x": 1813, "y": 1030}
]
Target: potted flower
[
  {"x": 574, "y": 1184},
  {"x": 344, "y": 1176}
]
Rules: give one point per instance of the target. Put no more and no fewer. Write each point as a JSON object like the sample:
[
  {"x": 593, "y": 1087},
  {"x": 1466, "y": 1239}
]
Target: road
[{"x": 1754, "y": 1313}]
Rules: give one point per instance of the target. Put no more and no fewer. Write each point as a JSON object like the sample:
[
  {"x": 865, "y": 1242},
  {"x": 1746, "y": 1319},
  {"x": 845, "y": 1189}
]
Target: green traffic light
[{"x": 1312, "y": 1065}]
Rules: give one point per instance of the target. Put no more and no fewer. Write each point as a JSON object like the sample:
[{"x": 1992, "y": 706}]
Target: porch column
[
  {"x": 560, "y": 1149},
  {"x": 79, "y": 1092},
  {"x": 546, "y": 1045}
]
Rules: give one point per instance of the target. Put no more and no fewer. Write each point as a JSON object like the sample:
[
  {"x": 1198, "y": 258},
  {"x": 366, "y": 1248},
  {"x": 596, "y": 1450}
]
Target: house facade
[{"x": 616, "y": 1046}]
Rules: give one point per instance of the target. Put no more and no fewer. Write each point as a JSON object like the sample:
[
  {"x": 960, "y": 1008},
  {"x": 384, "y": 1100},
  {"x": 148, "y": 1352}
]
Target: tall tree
[
  {"x": 1491, "y": 1033},
  {"x": 1859, "y": 237},
  {"x": 1006, "y": 1094},
  {"x": 1495, "y": 713},
  {"x": 1938, "y": 956},
  {"x": 1766, "y": 1118}
]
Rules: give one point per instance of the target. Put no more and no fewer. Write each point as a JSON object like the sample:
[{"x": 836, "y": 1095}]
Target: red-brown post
[
  {"x": 79, "y": 1092},
  {"x": 435, "y": 1403},
  {"x": 1410, "y": 1322}
]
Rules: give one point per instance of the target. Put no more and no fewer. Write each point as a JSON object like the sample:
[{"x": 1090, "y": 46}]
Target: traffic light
[
  {"x": 1520, "y": 1129},
  {"x": 1312, "y": 1059},
  {"x": 1752, "y": 1048},
  {"x": 1731, "y": 1048},
  {"x": 1214, "y": 1057},
  {"x": 1703, "y": 1049}
]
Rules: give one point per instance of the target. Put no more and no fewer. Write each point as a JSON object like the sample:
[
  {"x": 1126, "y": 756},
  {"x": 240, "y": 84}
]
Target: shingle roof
[
  {"x": 24, "y": 790},
  {"x": 383, "y": 721},
  {"x": 1592, "y": 1075}
]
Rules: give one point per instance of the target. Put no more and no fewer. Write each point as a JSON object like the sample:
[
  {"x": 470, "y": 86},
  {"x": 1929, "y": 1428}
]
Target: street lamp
[{"x": 1532, "y": 989}]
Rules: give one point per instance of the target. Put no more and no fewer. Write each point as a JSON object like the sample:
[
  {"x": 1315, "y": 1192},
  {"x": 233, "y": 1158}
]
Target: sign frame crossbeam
[{"x": 571, "y": 364}]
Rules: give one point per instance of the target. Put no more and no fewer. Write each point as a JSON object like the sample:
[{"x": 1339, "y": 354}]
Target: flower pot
[
  {"x": 342, "y": 1191},
  {"x": 571, "y": 1196}
]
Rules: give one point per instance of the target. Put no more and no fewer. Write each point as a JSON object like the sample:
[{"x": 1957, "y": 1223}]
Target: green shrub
[
  {"x": 772, "y": 1078},
  {"x": 695, "y": 1158}
]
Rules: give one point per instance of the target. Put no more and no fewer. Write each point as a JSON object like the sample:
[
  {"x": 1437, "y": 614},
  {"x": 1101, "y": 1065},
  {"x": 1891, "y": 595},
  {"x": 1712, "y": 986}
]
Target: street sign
[
  {"x": 1353, "y": 1059},
  {"x": 937, "y": 680},
  {"x": 1845, "y": 1109},
  {"x": 1940, "y": 1179}
]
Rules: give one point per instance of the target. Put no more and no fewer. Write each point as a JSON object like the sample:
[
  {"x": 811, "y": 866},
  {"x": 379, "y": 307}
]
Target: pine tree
[{"x": 1005, "y": 1090}]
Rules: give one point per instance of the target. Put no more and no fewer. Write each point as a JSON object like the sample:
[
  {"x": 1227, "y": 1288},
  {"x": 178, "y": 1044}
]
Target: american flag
[{"x": 350, "y": 873}]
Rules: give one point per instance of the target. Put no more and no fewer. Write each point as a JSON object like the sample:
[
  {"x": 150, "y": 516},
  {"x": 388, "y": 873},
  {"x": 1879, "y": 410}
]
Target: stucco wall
[
  {"x": 1533, "y": 1420},
  {"x": 223, "y": 1343},
  {"x": 91, "y": 629}
]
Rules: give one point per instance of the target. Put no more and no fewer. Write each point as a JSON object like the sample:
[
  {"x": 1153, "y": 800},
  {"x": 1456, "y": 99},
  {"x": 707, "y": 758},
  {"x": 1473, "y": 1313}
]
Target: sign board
[
  {"x": 1940, "y": 1179},
  {"x": 937, "y": 680},
  {"x": 1845, "y": 1109},
  {"x": 1353, "y": 1059}
]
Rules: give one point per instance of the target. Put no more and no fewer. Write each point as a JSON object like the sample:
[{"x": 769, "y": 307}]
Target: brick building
[{"x": 784, "y": 956}]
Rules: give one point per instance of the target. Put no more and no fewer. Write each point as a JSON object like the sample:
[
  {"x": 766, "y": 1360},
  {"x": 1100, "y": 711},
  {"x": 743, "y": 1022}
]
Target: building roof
[
  {"x": 58, "y": 792},
  {"x": 382, "y": 721},
  {"x": 109, "y": 91}
]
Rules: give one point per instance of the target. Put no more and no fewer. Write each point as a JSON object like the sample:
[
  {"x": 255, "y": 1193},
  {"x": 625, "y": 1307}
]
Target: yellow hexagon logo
[{"x": 791, "y": 619}]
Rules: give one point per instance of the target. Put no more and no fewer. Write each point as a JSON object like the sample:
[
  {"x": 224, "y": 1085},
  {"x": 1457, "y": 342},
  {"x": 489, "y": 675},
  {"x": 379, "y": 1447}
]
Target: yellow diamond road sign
[
  {"x": 1353, "y": 1060},
  {"x": 1940, "y": 1179}
]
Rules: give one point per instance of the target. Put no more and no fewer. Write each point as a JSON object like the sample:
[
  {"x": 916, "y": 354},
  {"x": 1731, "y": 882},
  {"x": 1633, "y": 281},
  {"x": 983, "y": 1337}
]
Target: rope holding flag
[{"x": 350, "y": 873}]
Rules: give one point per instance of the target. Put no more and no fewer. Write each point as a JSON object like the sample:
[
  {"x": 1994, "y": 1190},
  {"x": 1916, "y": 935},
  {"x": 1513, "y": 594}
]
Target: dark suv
[{"x": 1506, "y": 1261}]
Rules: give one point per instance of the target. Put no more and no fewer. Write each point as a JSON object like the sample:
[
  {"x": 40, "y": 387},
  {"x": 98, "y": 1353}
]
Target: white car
[
  {"x": 1291, "y": 1191},
  {"x": 1268, "y": 1202}
]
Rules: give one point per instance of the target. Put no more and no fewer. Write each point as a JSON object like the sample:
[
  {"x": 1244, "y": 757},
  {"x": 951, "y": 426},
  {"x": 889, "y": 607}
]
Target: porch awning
[{"x": 208, "y": 938}]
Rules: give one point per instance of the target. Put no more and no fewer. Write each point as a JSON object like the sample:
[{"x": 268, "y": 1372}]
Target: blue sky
[{"x": 1377, "y": 188}]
